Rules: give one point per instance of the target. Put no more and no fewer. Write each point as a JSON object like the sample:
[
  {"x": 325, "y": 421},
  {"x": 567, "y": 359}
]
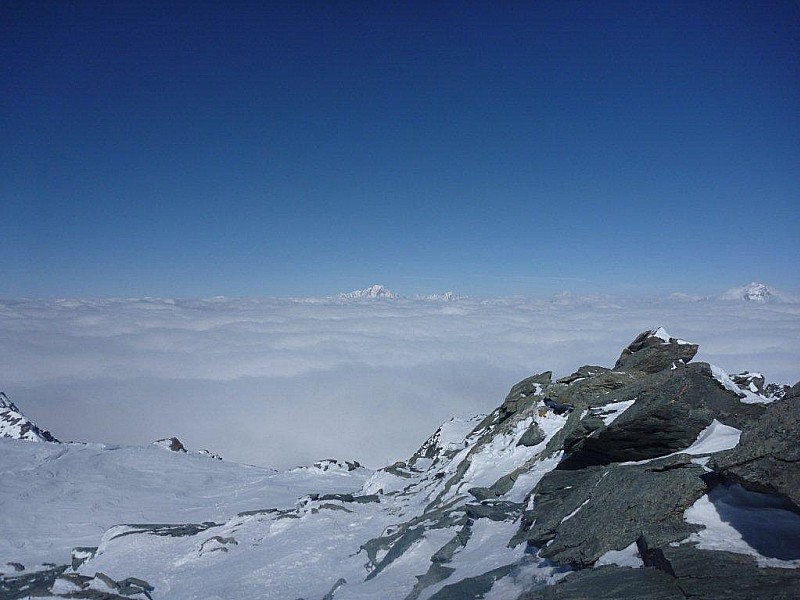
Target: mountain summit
[
  {"x": 757, "y": 293},
  {"x": 15, "y": 425},
  {"x": 374, "y": 291}
]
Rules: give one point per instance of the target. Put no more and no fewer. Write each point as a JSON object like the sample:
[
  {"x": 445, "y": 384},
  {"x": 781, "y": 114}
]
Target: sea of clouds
[{"x": 282, "y": 382}]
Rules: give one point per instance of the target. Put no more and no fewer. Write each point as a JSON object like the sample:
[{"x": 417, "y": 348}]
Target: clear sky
[{"x": 302, "y": 148}]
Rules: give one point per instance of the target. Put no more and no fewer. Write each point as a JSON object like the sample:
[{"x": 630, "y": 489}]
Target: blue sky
[{"x": 310, "y": 148}]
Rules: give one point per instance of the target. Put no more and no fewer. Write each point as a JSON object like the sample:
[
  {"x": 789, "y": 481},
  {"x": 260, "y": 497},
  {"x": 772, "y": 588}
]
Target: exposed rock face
[
  {"x": 15, "y": 425},
  {"x": 668, "y": 410},
  {"x": 767, "y": 458},
  {"x": 653, "y": 351},
  {"x": 173, "y": 444}
]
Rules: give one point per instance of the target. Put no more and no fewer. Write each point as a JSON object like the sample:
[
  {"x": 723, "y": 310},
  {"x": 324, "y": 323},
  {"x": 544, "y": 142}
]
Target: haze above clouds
[{"x": 280, "y": 382}]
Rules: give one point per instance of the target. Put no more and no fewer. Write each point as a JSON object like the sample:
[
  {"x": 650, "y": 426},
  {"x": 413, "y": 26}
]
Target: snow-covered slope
[
  {"x": 57, "y": 496},
  {"x": 14, "y": 425}
]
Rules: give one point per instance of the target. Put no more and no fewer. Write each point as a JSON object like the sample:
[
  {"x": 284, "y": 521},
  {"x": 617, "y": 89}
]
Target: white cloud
[{"x": 280, "y": 382}]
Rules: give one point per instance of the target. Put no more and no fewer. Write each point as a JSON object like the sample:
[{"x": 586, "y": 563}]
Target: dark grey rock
[
  {"x": 339, "y": 583},
  {"x": 81, "y": 554},
  {"x": 523, "y": 394},
  {"x": 365, "y": 499},
  {"x": 767, "y": 458},
  {"x": 532, "y": 436},
  {"x": 496, "y": 511},
  {"x": 709, "y": 575},
  {"x": 611, "y": 582},
  {"x": 671, "y": 408},
  {"x": 650, "y": 354},
  {"x": 580, "y": 515},
  {"x": 582, "y": 373},
  {"x": 747, "y": 381},
  {"x": 179, "y": 530},
  {"x": 172, "y": 443},
  {"x": 472, "y": 587}
]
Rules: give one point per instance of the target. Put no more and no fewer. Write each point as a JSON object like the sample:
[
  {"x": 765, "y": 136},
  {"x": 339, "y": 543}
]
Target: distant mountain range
[
  {"x": 379, "y": 292},
  {"x": 757, "y": 293}
]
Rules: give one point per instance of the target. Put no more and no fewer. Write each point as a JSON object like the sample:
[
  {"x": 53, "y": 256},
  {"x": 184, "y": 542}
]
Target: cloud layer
[{"x": 280, "y": 382}]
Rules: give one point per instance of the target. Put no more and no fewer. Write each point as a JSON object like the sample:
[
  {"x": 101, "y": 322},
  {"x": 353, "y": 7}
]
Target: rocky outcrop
[
  {"x": 173, "y": 444},
  {"x": 767, "y": 458},
  {"x": 668, "y": 410},
  {"x": 653, "y": 351},
  {"x": 15, "y": 425}
]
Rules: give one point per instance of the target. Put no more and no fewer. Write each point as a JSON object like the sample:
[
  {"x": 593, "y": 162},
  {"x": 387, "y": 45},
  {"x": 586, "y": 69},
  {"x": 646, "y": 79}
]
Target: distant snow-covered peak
[
  {"x": 758, "y": 293},
  {"x": 374, "y": 291},
  {"x": 15, "y": 425}
]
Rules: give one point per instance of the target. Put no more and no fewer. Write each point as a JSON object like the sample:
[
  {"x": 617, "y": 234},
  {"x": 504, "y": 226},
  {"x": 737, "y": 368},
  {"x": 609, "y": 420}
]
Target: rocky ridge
[
  {"x": 15, "y": 425},
  {"x": 657, "y": 478}
]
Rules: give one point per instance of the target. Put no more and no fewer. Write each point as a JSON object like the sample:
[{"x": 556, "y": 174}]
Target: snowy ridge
[
  {"x": 757, "y": 293},
  {"x": 375, "y": 291},
  {"x": 14, "y": 425}
]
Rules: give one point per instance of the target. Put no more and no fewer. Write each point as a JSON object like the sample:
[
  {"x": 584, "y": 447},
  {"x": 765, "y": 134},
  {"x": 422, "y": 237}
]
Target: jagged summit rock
[
  {"x": 15, "y": 425},
  {"x": 376, "y": 291},
  {"x": 653, "y": 351},
  {"x": 172, "y": 443}
]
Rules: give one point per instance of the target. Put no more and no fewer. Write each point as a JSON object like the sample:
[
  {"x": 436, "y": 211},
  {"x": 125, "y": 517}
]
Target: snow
[
  {"x": 714, "y": 438},
  {"x": 757, "y": 293},
  {"x": 746, "y": 396},
  {"x": 627, "y": 557},
  {"x": 610, "y": 412},
  {"x": 575, "y": 512},
  {"x": 662, "y": 334},
  {"x": 58, "y": 496},
  {"x": 744, "y": 522}
]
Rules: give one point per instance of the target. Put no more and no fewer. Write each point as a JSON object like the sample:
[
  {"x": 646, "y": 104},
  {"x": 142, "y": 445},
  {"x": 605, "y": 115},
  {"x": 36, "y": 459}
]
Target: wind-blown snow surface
[
  {"x": 281, "y": 382},
  {"x": 57, "y": 496}
]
